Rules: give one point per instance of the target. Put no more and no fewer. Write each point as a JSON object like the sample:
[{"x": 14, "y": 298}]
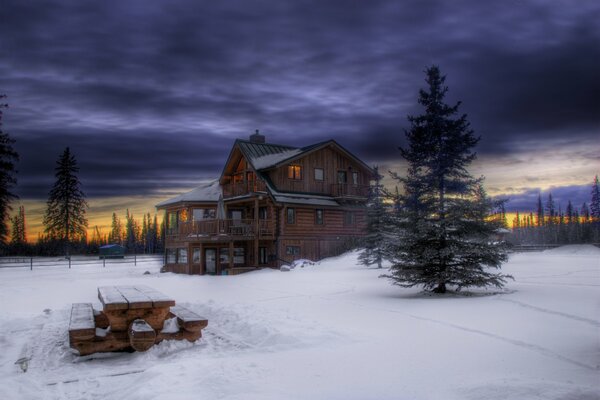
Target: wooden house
[{"x": 272, "y": 204}]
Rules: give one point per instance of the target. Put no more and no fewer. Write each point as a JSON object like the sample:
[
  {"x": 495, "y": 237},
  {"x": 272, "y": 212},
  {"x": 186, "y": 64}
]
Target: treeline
[
  {"x": 552, "y": 225},
  {"x": 147, "y": 237}
]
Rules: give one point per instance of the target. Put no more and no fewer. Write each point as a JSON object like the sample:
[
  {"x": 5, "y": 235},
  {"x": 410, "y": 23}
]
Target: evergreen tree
[
  {"x": 116, "y": 231},
  {"x": 595, "y": 203},
  {"x": 19, "y": 236},
  {"x": 445, "y": 235},
  {"x": 540, "y": 211},
  {"x": 65, "y": 218},
  {"x": 8, "y": 158},
  {"x": 375, "y": 239}
]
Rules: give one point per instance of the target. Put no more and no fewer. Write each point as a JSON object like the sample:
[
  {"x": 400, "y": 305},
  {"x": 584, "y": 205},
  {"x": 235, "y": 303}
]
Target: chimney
[{"x": 257, "y": 137}]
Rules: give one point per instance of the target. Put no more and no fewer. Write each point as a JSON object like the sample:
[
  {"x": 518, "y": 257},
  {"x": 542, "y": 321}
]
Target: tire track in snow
[
  {"x": 530, "y": 346},
  {"x": 515, "y": 342},
  {"x": 559, "y": 313}
]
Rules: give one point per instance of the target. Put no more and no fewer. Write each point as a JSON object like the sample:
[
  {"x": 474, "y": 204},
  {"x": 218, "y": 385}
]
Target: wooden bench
[
  {"x": 82, "y": 325},
  {"x": 189, "y": 320}
]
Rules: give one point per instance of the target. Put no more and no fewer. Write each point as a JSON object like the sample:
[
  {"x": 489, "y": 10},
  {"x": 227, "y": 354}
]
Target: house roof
[
  {"x": 207, "y": 192},
  {"x": 265, "y": 155}
]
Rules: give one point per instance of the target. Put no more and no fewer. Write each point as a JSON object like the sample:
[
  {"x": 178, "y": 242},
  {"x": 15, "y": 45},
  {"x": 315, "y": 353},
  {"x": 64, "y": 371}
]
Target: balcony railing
[
  {"x": 349, "y": 190},
  {"x": 242, "y": 188},
  {"x": 240, "y": 229}
]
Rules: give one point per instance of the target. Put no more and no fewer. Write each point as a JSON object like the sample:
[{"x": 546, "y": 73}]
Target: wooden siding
[
  {"x": 330, "y": 161},
  {"x": 333, "y": 222}
]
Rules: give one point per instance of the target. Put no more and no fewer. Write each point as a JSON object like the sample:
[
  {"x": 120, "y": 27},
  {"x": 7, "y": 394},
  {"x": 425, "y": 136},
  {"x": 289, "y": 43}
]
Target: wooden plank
[
  {"x": 158, "y": 299},
  {"x": 112, "y": 299},
  {"x": 189, "y": 320},
  {"x": 135, "y": 298},
  {"x": 81, "y": 325}
]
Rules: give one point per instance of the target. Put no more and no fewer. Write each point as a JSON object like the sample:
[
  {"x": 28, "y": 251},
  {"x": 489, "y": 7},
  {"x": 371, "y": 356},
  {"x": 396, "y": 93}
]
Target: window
[
  {"x": 292, "y": 250},
  {"x": 224, "y": 255},
  {"x": 262, "y": 255},
  {"x": 196, "y": 256},
  {"x": 319, "y": 174},
  {"x": 181, "y": 256},
  {"x": 262, "y": 213},
  {"x": 171, "y": 256},
  {"x": 199, "y": 214},
  {"x": 348, "y": 218},
  {"x": 295, "y": 172},
  {"x": 341, "y": 177},
  {"x": 319, "y": 217},
  {"x": 172, "y": 220},
  {"x": 238, "y": 255},
  {"x": 355, "y": 178},
  {"x": 291, "y": 215},
  {"x": 183, "y": 214}
]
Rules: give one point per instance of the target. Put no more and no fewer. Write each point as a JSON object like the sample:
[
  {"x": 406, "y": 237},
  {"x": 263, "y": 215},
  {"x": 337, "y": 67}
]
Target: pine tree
[
  {"x": 376, "y": 238},
  {"x": 8, "y": 158},
  {"x": 595, "y": 203},
  {"x": 540, "y": 211},
  {"x": 65, "y": 218},
  {"x": 19, "y": 236},
  {"x": 445, "y": 235}
]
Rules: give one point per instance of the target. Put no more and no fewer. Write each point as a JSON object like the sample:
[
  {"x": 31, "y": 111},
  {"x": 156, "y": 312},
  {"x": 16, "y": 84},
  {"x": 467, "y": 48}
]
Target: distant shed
[{"x": 112, "y": 251}]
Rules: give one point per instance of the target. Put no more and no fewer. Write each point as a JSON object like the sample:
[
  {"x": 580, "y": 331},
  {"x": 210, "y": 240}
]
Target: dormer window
[{"x": 295, "y": 172}]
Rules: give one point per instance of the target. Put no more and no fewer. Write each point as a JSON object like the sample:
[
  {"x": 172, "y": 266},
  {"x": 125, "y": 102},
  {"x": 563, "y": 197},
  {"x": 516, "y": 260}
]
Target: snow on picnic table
[{"x": 333, "y": 330}]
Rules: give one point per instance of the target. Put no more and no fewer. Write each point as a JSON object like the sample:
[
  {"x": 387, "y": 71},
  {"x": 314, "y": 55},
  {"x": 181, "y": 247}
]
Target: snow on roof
[
  {"x": 271, "y": 159},
  {"x": 209, "y": 191},
  {"x": 306, "y": 199}
]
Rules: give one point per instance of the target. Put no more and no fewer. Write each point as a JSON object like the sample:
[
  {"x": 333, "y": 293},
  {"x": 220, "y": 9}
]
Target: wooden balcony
[
  {"x": 223, "y": 229},
  {"x": 348, "y": 190},
  {"x": 242, "y": 188}
]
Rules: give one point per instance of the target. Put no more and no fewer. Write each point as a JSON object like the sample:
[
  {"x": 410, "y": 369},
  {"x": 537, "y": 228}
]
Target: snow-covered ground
[{"x": 328, "y": 331}]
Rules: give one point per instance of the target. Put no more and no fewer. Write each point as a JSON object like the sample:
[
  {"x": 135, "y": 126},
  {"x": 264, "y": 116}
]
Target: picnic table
[{"x": 132, "y": 318}]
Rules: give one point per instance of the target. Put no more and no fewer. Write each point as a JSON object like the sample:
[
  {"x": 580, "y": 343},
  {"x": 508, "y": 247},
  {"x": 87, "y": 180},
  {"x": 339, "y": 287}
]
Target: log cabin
[{"x": 271, "y": 205}]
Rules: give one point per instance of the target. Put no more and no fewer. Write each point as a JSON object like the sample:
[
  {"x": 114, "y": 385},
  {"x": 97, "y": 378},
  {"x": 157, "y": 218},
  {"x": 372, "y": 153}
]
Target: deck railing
[
  {"x": 242, "y": 188},
  {"x": 349, "y": 190},
  {"x": 224, "y": 228}
]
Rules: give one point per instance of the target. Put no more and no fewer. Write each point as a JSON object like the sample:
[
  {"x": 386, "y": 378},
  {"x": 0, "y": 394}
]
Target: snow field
[{"x": 328, "y": 331}]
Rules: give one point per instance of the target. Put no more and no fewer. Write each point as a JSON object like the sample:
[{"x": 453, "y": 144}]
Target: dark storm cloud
[
  {"x": 526, "y": 201},
  {"x": 151, "y": 95}
]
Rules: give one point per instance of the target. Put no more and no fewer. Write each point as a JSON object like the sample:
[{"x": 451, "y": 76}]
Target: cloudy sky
[{"x": 150, "y": 95}]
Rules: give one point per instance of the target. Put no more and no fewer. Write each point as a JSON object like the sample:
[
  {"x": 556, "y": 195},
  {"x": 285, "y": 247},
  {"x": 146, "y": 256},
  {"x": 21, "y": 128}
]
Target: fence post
[
  {"x": 135, "y": 259},
  {"x": 104, "y": 262},
  {"x": 69, "y": 262},
  {"x": 31, "y": 263}
]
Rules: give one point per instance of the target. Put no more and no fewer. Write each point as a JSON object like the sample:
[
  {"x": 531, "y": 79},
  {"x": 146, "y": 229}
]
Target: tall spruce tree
[
  {"x": 65, "y": 218},
  {"x": 8, "y": 158},
  {"x": 375, "y": 240},
  {"x": 595, "y": 203},
  {"x": 445, "y": 236}
]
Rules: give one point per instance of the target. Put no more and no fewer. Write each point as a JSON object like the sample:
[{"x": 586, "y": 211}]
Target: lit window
[
  {"x": 319, "y": 174},
  {"x": 355, "y": 178},
  {"x": 319, "y": 217},
  {"x": 295, "y": 172},
  {"x": 291, "y": 215}
]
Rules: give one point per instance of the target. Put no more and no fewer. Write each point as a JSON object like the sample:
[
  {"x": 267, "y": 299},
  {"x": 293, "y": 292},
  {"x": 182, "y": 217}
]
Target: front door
[{"x": 210, "y": 255}]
